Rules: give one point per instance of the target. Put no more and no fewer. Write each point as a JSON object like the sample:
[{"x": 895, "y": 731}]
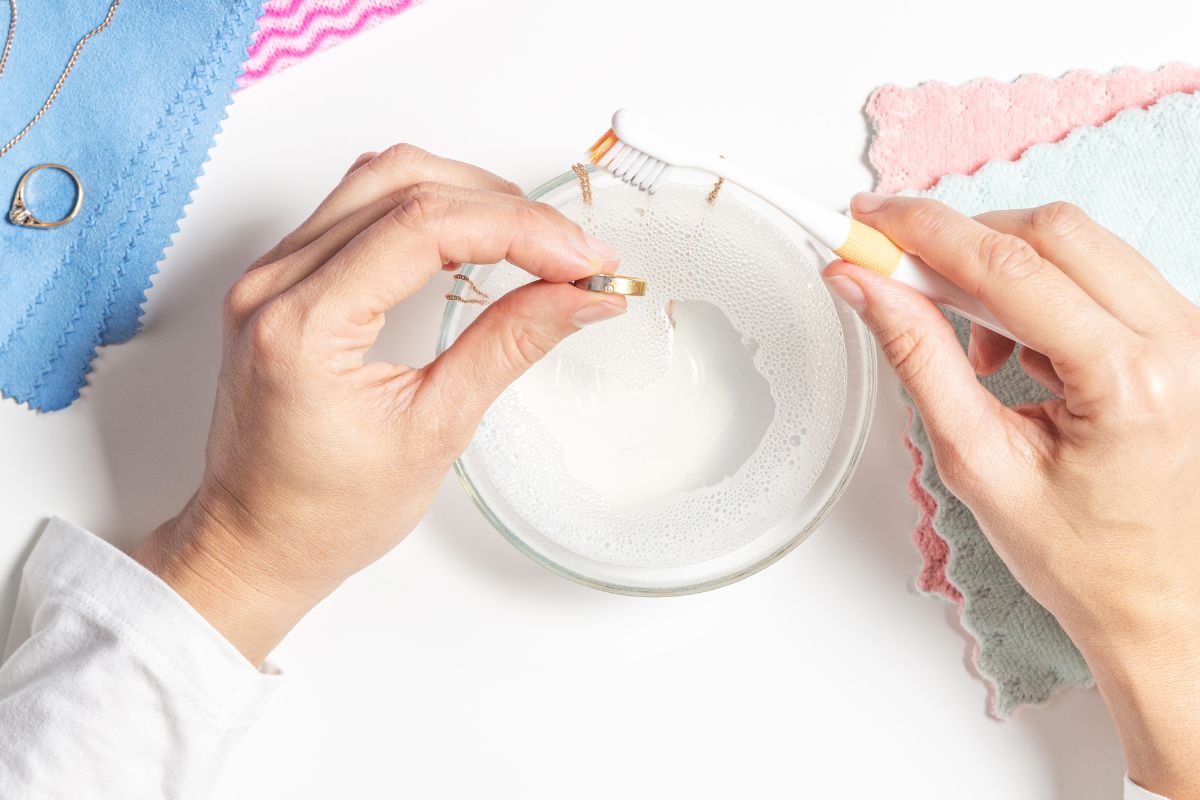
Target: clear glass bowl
[{"x": 777, "y": 538}]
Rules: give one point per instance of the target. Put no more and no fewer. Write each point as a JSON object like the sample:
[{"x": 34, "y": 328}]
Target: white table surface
[{"x": 457, "y": 668}]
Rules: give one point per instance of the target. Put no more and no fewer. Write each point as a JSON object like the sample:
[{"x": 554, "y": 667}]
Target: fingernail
[
  {"x": 849, "y": 291},
  {"x": 599, "y": 250},
  {"x": 866, "y": 202},
  {"x": 598, "y": 312}
]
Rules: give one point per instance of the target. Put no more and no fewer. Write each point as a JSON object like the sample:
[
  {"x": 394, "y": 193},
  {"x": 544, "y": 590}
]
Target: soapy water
[
  {"x": 719, "y": 408},
  {"x": 689, "y": 426}
]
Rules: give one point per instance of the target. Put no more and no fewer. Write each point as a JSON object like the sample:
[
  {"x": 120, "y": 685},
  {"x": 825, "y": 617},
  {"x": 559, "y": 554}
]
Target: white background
[{"x": 457, "y": 668}]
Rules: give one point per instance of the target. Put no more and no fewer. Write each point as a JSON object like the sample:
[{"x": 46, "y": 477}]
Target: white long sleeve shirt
[{"x": 112, "y": 686}]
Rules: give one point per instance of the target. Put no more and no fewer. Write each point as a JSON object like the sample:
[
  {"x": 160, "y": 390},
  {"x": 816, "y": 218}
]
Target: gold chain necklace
[{"x": 12, "y": 27}]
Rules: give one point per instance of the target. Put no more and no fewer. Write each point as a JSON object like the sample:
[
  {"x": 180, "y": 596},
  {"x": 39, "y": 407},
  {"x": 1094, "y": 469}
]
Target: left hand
[{"x": 319, "y": 461}]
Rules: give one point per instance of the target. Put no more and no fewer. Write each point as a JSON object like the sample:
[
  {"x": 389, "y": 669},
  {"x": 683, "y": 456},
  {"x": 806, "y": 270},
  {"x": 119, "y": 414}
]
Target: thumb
[
  {"x": 921, "y": 346},
  {"x": 509, "y": 337}
]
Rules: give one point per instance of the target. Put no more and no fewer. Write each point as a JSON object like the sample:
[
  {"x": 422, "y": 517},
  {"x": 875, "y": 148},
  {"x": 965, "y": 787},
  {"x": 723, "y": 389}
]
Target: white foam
[{"x": 684, "y": 429}]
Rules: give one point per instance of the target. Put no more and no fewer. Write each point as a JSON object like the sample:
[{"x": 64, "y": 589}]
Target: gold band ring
[{"x": 613, "y": 284}]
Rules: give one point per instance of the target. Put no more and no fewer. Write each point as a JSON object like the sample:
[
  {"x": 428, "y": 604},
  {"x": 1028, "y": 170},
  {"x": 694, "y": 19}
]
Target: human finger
[
  {"x": 921, "y": 346},
  {"x": 1115, "y": 275},
  {"x": 987, "y": 350},
  {"x": 396, "y": 255},
  {"x": 284, "y": 273},
  {"x": 358, "y": 162},
  {"x": 1038, "y": 367},
  {"x": 508, "y": 338},
  {"x": 1040, "y": 304},
  {"x": 396, "y": 168}
]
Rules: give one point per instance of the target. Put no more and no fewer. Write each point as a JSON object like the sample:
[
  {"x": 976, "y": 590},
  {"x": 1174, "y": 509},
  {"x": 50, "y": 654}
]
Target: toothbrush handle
[
  {"x": 861, "y": 244},
  {"x": 867, "y": 247},
  {"x": 929, "y": 282}
]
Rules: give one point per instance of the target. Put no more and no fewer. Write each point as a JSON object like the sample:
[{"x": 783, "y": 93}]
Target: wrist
[
  {"x": 208, "y": 557},
  {"x": 1145, "y": 658}
]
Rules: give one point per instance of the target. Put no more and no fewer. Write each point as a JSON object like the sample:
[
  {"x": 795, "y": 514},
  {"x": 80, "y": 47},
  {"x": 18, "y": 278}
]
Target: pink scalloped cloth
[
  {"x": 290, "y": 31},
  {"x": 937, "y": 129}
]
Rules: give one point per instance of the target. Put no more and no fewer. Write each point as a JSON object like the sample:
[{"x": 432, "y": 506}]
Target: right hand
[{"x": 1092, "y": 498}]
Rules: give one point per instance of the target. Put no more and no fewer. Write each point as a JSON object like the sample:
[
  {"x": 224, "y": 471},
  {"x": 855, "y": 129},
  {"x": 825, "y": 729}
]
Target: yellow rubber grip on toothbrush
[{"x": 869, "y": 248}]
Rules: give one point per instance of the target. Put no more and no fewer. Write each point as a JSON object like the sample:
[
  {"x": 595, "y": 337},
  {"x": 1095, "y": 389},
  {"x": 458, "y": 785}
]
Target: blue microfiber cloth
[
  {"x": 134, "y": 120},
  {"x": 1137, "y": 175}
]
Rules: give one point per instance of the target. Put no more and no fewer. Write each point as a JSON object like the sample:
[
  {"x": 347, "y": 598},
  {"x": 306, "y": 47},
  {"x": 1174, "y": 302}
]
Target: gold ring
[
  {"x": 613, "y": 284},
  {"x": 20, "y": 214}
]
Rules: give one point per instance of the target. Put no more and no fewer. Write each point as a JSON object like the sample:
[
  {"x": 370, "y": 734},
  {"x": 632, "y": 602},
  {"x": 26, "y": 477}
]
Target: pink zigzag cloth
[{"x": 290, "y": 31}]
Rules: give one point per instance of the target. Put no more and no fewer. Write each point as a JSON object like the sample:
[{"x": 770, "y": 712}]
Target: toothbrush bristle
[
  {"x": 602, "y": 146},
  {"x": 618, "y": 164},
  {"x": 650, "y": 182},
  {"x": 648, "y": 172},
  {"x": 616, "y": 153},
  {"x": 640, "y": 170},
  {"x": 633, "y": 166}
]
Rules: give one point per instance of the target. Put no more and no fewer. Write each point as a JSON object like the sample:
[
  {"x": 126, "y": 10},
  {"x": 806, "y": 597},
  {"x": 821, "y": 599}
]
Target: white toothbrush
[{"x": 636, "y": 153}]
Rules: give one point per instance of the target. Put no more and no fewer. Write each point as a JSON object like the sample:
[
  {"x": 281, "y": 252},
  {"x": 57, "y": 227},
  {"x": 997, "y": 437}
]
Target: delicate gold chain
[
  {"x": 481, "y": 300},
  {"x": 61, "y": 78},
  {"x": 12, "y": 28},
  {"x": 585, "y": 183},
  {"x": 716, "y": 190}
]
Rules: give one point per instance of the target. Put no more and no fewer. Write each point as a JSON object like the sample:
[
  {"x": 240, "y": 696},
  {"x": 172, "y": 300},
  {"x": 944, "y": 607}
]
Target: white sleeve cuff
[
  {"x": 72, "y": 567},
  {"x": 112, "y": 685},
  {"x": 1135, "y": 792}
]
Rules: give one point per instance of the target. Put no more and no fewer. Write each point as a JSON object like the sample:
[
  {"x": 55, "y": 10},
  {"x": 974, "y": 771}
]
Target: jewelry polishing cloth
[
  {"x": 290, "y": 31},
  {"x": 1133, "y": 174},
  {"x": 135, "y": 120}
]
